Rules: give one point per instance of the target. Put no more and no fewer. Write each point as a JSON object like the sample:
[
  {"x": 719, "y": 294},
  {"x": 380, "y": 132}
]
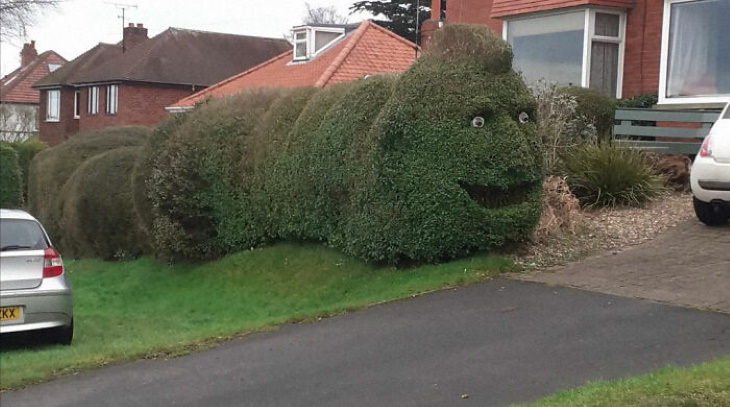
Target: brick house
[
  {"x": 678, "y": 49},
  {"x": 131, "y": 82},
  {"x": 321, "y": 55},
  {"x": 19, "y": 101}
]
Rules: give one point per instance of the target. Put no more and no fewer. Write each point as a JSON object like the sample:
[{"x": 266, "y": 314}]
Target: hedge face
[{"x": 425, "y": 166}]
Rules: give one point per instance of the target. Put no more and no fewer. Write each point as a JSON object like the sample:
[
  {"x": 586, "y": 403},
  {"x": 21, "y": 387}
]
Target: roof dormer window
[{"x": 311, "y": 40}]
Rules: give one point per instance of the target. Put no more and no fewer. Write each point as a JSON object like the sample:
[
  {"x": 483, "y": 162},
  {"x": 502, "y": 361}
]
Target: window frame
[
  {"x": 309, "y": 41},
  {"x": 92, "y": 100},
  {"x": 664, "y": 66},
  {"x": 77, "y": 104},
  {"x": 112, "y": 105},
  {"x": 57, "y": 117},
  {"x": 589, "y": 36}
]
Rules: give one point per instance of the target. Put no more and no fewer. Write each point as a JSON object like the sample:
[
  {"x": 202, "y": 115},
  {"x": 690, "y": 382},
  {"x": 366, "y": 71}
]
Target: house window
[
  {"x": 695, "y": 51},
  {"x": 309, "y": 41},
  {"x": 112, "y": 96},
  {"x": 77, "y": 104},
  {"x": 53, "y": 109},
  {"x": 93, "y": 102},
  {"x": 575, "y": 48}
]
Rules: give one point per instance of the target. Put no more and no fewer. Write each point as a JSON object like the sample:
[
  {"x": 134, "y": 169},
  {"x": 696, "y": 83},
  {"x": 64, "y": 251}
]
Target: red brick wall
[
  {"x": 643, "y": 48},
  {"x": 137, "y": 104},
  {"x": 56, "y": 132},
  {"x": 473, "y": 12}
]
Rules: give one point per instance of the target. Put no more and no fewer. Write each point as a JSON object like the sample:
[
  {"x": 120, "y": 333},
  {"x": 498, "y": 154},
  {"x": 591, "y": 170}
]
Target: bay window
[
  {"x": 571, "y": 48},
  {"x": 695, "y": 51}
]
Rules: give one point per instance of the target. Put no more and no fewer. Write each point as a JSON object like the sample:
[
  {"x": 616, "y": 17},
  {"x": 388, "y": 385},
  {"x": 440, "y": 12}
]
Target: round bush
[
  {"x": 11, "y": 178},
  {"x": 52, "y": 167},
  {"x": 98, "y": 216},
  {"x": 594, "y": 106},
  {"x": 610, "y": 176}
]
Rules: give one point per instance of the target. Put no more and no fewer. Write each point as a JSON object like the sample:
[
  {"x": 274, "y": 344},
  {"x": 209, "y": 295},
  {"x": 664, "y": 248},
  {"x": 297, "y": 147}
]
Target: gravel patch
[{"x": 600, "y": 230}]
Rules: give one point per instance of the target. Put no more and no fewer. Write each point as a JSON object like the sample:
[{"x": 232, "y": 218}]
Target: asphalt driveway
[
  {"x": 689, "y": 265},
  {"x": 498, "y": 342}
]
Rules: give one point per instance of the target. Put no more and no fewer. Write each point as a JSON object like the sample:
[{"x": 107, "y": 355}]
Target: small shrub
[
  {"x": 560, "y": 210},
  {"x": 644, "y": 101},
  {"x": 593, "y": 108},
  {"x": 98, "y": 219},
  {"x": 11, "y": 181},
  {"x": 610, "y": 176}
]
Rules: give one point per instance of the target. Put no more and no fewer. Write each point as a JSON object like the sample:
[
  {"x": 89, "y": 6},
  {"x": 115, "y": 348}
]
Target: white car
[
  {"x": 34, "y": 292},
  {"x": 710, "y": 175}
]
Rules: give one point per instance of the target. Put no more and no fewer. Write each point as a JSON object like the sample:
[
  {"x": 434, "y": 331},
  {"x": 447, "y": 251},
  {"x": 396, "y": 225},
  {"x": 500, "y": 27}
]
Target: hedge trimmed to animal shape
[{"x": 429, "y": 165}]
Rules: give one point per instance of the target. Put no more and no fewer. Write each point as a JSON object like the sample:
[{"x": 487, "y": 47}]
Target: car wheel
[
  {"x": 710, "y": 214},
  {"x": 62, "y": 335}
]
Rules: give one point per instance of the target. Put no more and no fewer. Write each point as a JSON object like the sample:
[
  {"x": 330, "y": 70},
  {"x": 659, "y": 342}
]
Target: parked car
[
  {"x": 34, "y": 291},
  {"x": 710, "y": 175}
]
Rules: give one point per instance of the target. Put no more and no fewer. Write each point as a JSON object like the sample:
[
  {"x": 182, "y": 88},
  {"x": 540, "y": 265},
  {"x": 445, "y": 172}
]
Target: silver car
[{"x": 34, "y": 291}]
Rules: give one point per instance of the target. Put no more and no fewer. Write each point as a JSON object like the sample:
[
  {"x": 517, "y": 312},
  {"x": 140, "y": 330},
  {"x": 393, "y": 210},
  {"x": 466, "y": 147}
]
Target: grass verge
[
  {"x": 704, "y": 385},
  {"x": 142, "y": 308}
]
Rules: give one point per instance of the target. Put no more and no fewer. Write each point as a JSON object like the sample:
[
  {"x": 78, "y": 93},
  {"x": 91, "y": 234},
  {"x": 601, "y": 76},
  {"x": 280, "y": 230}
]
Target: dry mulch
[{"x": 600, "y": 230}]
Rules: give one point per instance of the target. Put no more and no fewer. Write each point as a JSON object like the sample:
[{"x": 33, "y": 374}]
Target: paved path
[
  {"x": 499, "y": 342},
  {"x": 688, "y": 265}
]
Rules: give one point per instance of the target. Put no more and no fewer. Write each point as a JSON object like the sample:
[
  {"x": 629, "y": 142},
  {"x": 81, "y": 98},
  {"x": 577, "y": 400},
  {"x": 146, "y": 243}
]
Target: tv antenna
[{"x": 123, "y": 7}]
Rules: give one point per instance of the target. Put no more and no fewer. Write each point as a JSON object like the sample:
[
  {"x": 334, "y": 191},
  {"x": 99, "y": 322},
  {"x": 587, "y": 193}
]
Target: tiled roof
[
  {"x": 180, "y": 56},
  {"x": 502, "y": 8},
  {"x": 17, "y": 86},
  {"x": 370, "y": 49},
  {"x": 69, "y": 73},
  {"x": 175, "y": 56}
]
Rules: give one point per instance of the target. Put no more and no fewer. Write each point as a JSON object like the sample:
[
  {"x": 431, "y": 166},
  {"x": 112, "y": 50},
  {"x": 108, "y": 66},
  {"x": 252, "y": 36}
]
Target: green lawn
[
  {"x": 142, "y": 308},
  {"x": 704, "y": 385}
]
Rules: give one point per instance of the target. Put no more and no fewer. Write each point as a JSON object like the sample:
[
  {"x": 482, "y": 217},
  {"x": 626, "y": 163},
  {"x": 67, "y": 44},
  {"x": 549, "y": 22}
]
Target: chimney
[
  {"x": 133, "y": 36},
  {"x": 28, "y": 54},
  {"x": 431, "y": 25}
]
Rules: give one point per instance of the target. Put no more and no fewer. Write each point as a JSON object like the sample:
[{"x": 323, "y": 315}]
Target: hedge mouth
[{"x": 492, "y": 197}]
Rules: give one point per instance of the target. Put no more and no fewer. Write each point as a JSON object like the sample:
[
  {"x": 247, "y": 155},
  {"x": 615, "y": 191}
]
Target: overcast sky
[{"x": 77, "y": 25}]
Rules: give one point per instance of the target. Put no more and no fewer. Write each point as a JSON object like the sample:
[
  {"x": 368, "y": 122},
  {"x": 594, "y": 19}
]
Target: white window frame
[
  {"x": 664, "y": 66},
  {"x": 57, "y": 116},
  {"x": 93, "y": 100},
  {"x": 589, "y": 29},
  {"x": 112, "y": 99},
  {"x": 309, "y": 39},
  {"x": 77, "y": 103}
]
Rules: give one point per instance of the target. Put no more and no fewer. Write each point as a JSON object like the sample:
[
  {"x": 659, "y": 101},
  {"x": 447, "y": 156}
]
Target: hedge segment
[
  {"x": 11, "y": 178},
  {"x": 52, "y": 167},
  {"x": 98, "y": 217}
]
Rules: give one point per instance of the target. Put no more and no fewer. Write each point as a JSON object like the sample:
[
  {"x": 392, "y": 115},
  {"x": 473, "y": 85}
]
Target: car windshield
[{"x": 21, "y": 234}]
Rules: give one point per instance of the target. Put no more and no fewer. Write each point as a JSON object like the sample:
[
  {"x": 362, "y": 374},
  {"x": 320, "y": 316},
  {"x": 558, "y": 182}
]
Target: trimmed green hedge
[
  {"x": 11, "y": 178},
  {"x": 26, "y": 151},
  {"x": 389, "y": 169},
  {"x": 595, "y": 107},
  {"x": 52, "y": 168},
  {"x": 98, "y": 217}
]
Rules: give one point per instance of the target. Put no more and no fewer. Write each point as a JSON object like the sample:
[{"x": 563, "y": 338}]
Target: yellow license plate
[{"x": 9, "y": 313}]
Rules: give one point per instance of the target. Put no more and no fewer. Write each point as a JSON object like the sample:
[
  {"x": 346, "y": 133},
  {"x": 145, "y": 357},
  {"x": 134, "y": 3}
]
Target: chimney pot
[
  {"x": 28, "y": 54},
  {"x": 131, "y": 25},
  {"x": 140, "y": 25}
]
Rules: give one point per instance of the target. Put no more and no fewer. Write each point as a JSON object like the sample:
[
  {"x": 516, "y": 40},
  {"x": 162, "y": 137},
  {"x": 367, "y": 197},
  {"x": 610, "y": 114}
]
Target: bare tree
[
  {"x": 16, "y": 16},
  {"x": 323, "y": 15}
]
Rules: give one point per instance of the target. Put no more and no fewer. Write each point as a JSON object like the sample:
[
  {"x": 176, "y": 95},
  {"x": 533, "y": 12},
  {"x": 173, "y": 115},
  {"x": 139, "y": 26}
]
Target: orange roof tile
[
  {"x": 16, "y": 87},
  {"x": 368, "y": 50}
]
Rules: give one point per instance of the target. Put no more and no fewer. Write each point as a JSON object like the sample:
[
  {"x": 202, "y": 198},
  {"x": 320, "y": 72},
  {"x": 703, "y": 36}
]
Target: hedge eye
[
  {"x": 477, "y": 122},
  {"x": 523, "y": 117}
]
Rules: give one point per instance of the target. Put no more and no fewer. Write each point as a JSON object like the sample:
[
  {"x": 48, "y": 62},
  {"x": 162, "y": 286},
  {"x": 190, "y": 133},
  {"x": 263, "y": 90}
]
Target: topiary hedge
[
  {"x": 26, "y": 150},
  {"x": 98, "y": 218},
  {"x": 52, "y": 168},
  {"x": 437, "y": 162},
  {"x": 11, "y": 178}
]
